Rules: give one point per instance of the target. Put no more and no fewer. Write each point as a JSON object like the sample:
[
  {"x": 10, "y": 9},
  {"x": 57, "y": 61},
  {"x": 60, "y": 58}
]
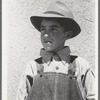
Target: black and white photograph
[{"x": 51, "y": 50}]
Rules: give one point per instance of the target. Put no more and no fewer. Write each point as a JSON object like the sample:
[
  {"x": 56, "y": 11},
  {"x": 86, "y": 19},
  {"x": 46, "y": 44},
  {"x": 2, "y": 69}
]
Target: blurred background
[{"x": 23, "y": 40}]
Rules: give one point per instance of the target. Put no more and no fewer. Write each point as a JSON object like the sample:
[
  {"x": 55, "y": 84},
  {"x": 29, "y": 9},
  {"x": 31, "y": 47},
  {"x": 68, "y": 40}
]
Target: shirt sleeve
[
  {"x": 24, "y": 85},
  {"x": 90, "y": 85},
  {"x": 85, "y": 78}
]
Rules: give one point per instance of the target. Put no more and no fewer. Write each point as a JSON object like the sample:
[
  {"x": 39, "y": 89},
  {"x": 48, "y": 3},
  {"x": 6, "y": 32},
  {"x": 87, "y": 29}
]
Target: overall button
[{"x": 57, "y": 67}]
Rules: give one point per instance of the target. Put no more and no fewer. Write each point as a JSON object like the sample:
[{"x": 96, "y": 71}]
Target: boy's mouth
[{"x": 48, "y": 42}]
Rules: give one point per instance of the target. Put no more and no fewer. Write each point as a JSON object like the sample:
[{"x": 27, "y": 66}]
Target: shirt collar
[{"x": 62, "y": 54}]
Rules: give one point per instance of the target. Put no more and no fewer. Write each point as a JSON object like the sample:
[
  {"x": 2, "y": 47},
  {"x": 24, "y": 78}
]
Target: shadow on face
[{"x": 53, "y": 34}]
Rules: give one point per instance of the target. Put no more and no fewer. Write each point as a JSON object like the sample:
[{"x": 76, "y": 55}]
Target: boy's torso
[
  {"x": 55, "y": 82},
  {"x": 60, "y": 67}
]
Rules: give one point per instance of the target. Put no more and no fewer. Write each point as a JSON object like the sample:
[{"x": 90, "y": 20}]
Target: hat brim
[{"x": 36, "y": 21}]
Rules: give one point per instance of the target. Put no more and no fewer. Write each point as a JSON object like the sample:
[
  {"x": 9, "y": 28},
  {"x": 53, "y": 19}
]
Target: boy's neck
[{"x": 58, "y": 49}]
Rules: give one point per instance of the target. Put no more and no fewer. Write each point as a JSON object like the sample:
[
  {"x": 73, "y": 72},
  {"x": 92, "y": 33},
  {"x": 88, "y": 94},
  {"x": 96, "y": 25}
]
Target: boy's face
[{"x": 53, "y": 35}]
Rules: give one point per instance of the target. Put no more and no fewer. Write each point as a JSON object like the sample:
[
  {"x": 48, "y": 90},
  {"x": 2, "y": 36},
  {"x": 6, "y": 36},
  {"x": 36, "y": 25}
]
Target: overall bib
[{"x": 55, "y": 86}]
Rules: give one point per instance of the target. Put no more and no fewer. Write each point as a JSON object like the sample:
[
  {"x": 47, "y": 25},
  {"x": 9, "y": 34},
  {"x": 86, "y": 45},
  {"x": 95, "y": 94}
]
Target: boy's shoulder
[
  {"x": 78, "y": 58},
  {"x": 81, "y": 61},
  {"x": 31, "y": 67},
  {"x": 33, "y": 61},
  {"x": 82, "y": 64}
]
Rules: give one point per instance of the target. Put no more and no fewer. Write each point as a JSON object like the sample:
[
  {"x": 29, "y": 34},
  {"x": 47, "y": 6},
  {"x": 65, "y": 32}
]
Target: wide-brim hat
[{"x": 58, "y": 10}]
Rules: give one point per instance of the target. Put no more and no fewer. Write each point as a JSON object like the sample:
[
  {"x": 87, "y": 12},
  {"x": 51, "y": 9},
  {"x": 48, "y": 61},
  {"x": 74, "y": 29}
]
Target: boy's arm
[
  {"x": 85, "y": 78},
  {"x": 22, "y": 88},
  {"x": 90, "y": 85},
  {"x": 26, "y": 80}
]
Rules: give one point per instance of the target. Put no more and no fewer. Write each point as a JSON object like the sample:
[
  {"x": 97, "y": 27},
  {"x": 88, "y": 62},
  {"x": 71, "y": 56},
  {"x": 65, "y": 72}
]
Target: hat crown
[{"x": 59, "y": 8}]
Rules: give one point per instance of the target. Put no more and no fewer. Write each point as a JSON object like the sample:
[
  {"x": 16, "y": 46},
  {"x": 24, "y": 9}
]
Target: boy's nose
[{"x": 46, "y": 35}]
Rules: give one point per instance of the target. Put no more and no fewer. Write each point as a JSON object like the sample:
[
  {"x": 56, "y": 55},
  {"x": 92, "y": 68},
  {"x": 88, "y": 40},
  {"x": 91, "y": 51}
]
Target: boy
[{"x": 56, "y": 75}]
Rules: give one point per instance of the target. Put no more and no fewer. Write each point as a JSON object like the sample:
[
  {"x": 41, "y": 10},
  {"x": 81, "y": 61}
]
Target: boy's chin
[{"x": 49, "y": 49}]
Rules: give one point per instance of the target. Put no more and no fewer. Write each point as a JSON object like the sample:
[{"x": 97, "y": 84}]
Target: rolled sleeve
[
  {"x": 90, "y": 85},
  {"x": 85, "y": 78},
  {"x": 24, "y": 85},
  {"x": 22, "y": 90}
]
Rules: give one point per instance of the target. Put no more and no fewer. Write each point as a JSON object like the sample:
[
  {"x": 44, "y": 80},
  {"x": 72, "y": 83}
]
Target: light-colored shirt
[{"x": 55, "y": 65}]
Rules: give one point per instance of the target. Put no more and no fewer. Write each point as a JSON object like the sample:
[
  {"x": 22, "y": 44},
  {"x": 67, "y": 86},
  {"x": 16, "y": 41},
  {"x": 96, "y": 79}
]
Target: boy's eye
[
  {"x": 42, "y": 29},
  {"x": 54, "y": 29}
]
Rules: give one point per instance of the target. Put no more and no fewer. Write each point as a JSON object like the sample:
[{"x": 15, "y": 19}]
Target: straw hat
[{"x": 58, "y": 10}]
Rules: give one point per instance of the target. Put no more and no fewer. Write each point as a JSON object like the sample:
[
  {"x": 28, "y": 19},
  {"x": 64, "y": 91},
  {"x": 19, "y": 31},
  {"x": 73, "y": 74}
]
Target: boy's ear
[{"x": 69, "y": 34}]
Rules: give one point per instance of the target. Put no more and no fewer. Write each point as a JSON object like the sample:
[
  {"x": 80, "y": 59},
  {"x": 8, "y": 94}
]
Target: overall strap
[
  {"x": 72, "y": 66},
  {"x": 39, "y": 71},
  {"x": 72, "y": 71},
  {"x": 39, "y": 66}
]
